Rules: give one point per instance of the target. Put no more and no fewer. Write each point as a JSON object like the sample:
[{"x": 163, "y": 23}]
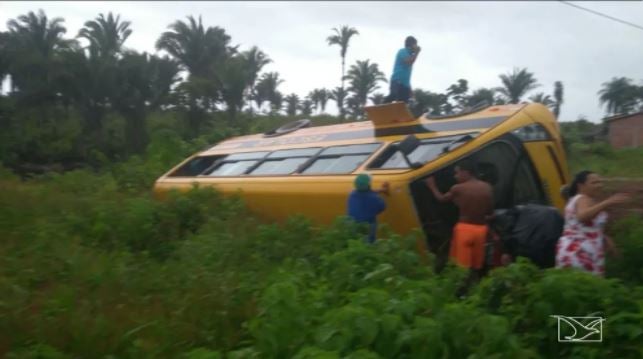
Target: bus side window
[
  {"x": 235, "y": 164},
  {"x": 233, "y": 168},
  {"x": 284, "y": 162},
  {"x": 428, "y": 150},
  {"x": 195, "y": 166},
  {"x": 340, "y": 159}
]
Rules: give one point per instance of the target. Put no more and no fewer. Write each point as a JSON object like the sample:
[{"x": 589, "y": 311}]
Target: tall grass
[
  {"x": 91, "y": 266},
  {"x": 603, "y": 159}
]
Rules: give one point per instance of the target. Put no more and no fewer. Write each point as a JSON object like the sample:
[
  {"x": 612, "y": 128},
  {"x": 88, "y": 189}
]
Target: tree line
[{"x": 99, "y": 93}]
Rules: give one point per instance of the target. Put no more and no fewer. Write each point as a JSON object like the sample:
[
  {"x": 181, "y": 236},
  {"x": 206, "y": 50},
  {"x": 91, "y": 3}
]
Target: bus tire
[{"x": 288, "y": 128}]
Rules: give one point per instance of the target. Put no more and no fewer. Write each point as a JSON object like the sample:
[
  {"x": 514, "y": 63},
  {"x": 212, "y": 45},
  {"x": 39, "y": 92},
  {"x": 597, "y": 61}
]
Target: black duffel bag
[{"x": 530, "y": 231}]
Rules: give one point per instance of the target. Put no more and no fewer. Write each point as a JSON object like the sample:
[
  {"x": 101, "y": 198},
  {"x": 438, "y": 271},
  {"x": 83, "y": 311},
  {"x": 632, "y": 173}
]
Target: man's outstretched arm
[{"x": 442, "y": 197}]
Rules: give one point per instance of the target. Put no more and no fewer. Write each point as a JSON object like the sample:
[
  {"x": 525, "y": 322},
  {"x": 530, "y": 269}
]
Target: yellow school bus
[{"x": 310, "y": 170}]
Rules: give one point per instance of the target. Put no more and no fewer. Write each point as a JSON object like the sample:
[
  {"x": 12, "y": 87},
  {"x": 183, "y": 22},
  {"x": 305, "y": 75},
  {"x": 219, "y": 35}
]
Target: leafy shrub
[
  {"x": 279, "y": 327},
  {"x": 601, "y": 158},
  {"x": 201, "y": 353},
  {"x": 92, "y": 266},
  {"x": 529, "y": 298},
  {"x": 629, "y": 241},
  {"x": 37, "y": 351},
  {"x": 6, "y": 174}
]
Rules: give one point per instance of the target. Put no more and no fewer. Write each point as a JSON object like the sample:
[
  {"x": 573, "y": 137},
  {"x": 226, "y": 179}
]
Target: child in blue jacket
[{"x": 364, "y": 204}]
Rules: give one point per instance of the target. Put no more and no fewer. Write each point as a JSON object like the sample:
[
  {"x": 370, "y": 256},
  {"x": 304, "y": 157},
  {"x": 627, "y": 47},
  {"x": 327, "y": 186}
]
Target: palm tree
[
  {"x": 90, "y": 83},
  {"x": 202, "y": 52},
  {"x": 319, "y": 98},
  {"x": 342, "y": 37},
  {"x": 259, "y": 95},
  {"x": 4, "y": 55},
  {"x": 339, "y": 96},
  {"x": 292, "y": 103},
  {"x": 276, "y": 102},
  {"x": 421, "y": 103},
  {"x": 500, "y": 100},
  {"x": 558, "y": 97},
  {"x": 324, "y": 96},
  {"x": 256, "y": 60},
  {"x": 306, "y": 107},
  {"x": 353, "y": 107},
  {"x": 195, "y": 47},
  {"x": 378, "y": 98},
  {"x": 164, "y": 74},
  {"x": 4, "y": 71},
  {"x": 435, "y": 104},
  {"x": 516, "y": 84},
  {"x": 35, "y": 45},
  {"x": 481, "y": 95},
  {"x": 542, "y": 98},
  {"x": 143, "y": 84},
  {"x": 363, "y": 80},
  {"x": 267, "y": 86},
  {"x": 41, "y": 35},
  {"x": 95, "y": 79},
  {"x": 314, "y": 98},
  {"x": 458, "y": 92},
  {"x": 619, "y": 95},
  {"x": 106, "y": 35},
  {"x": 234, "y": 80}
]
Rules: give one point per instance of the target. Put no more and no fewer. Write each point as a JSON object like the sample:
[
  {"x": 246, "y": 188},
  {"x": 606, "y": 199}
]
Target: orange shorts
[{"x": 467, "y": 244}]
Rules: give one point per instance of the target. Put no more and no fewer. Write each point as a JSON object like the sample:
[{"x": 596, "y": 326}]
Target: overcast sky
[{"x": 472, "y": 40}]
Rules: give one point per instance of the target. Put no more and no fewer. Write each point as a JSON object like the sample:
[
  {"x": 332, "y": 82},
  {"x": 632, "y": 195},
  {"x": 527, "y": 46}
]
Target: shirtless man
[{"x": 474, "y": 199}]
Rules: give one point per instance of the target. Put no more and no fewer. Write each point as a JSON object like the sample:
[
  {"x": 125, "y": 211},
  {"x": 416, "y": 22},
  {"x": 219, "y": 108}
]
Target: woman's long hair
[{"x": 580, "y": 178}]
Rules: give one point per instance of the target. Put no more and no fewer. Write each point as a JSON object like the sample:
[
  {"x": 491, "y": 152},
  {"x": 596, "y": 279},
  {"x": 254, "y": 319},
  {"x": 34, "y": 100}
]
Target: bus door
[{"x": 504, "y": 163}]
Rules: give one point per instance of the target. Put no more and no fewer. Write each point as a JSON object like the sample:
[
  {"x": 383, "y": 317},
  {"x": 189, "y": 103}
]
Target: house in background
[{"x": 625, "y": 131}]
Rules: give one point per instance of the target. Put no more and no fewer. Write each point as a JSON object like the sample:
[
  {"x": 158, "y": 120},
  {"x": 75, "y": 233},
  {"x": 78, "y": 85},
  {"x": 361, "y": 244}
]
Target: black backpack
[{"x": 530, "y": 231}]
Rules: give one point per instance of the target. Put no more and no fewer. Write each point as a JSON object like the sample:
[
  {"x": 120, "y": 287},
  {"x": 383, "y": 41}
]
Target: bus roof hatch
[{"x": 388, "y": 114}]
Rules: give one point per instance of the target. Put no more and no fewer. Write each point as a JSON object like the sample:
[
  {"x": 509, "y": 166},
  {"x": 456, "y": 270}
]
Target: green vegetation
[
  {"x": 87, "y": 99},
  {"x": 84, "y": 100},
  {"x": 587, "y": 148},
  {"x": 603, "y": 159},
  {"x": 92, "y": 266}
]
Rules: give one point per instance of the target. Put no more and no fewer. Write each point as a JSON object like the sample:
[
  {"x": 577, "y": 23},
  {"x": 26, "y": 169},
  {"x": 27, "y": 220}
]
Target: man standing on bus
[
  {"x": 474, "y": 199},
  {"x": 400, "y": 89},
  {"x": 364, "y": 204}
]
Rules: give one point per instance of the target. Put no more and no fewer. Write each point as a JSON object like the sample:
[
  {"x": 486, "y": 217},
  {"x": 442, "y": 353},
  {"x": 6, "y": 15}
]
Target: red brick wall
[{"x": 626, "y": 132}]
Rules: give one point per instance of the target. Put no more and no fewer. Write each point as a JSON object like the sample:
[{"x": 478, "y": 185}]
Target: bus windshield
[{"x": 428, "y": 150}]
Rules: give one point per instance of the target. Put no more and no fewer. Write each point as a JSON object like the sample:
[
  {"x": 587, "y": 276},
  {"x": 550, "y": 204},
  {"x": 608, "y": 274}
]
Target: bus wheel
[{"x": 287, "y": 128}]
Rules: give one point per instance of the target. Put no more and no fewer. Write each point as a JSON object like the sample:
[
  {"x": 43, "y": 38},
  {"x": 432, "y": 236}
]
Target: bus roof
[{"x": 479, "y": 120}]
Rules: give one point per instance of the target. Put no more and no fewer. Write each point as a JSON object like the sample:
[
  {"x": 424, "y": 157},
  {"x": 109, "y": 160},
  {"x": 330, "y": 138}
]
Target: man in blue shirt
[
  {"x": 401, "y": 78},
  {"x": 365, "y": 204}
]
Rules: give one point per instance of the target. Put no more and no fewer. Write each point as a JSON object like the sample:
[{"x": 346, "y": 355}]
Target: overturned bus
[{"x": 298, "y": 169}]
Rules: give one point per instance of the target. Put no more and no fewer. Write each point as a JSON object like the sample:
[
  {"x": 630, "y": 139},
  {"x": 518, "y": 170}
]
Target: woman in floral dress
[{"x": 583, "y": 242}]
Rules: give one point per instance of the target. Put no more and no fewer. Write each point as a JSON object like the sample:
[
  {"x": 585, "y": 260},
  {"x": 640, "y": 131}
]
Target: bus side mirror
[{"x": 409, "y": 144}]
